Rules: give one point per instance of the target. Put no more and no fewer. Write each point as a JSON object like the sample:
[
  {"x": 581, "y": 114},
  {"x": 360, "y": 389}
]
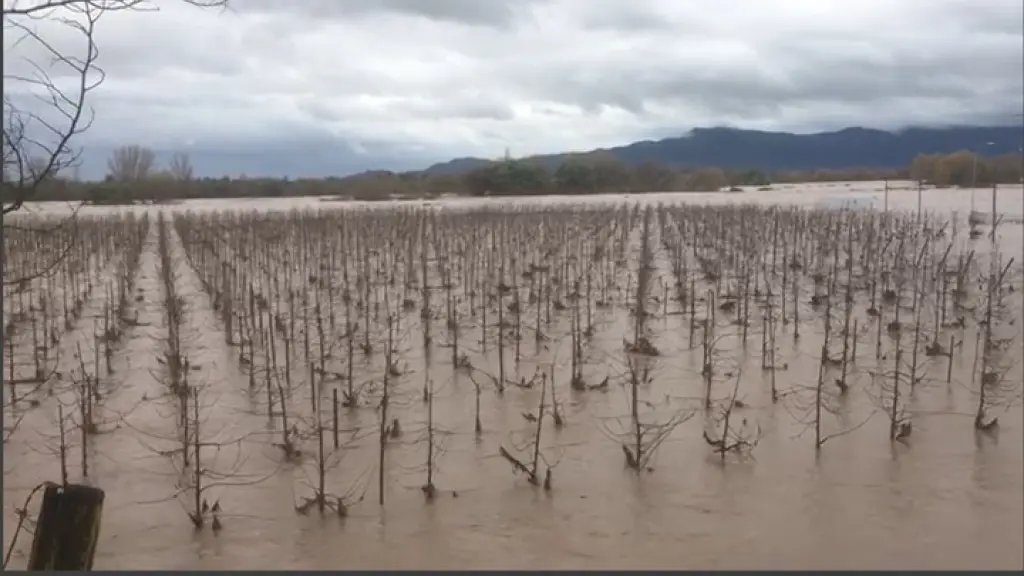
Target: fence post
[{"x": 68, "y": 528}]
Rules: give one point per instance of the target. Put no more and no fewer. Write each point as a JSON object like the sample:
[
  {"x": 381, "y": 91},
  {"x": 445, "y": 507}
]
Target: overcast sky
[{"x": 315, "y": 87}]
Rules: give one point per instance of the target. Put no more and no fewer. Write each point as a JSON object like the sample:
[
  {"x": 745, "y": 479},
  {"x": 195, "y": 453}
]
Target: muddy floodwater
[{"x": 947, "y": 496}]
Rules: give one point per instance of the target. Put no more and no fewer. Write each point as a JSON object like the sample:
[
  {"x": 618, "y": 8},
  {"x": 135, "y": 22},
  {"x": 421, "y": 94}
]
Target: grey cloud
[
  {"x": 456, "y": 106},
  {"x": 1005, "y": 18},
  {"x": 633, "y": 17},
  {"x": 626, "y": 20},
  {"x": 120, "y": 56},
  {"x": 464, "y": 107},
  {"x": 492, "y": 13},
  {"x": 407, "y": 79},
  {"x": 811, "y": 70}
]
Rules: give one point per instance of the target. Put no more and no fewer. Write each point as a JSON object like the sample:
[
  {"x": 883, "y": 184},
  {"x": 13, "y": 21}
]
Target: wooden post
[{"x": 68, "y": 528}]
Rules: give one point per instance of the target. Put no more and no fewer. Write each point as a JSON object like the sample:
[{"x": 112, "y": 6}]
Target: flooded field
[{"x": 736, "y": 380}]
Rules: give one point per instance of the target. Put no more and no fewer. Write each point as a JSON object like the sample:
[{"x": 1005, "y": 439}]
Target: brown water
[{"x": 947, "y": 498}]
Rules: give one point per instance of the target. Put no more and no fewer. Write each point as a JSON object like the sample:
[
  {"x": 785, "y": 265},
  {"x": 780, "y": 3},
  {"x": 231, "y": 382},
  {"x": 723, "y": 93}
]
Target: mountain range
[{"x": 732, "y": 148}]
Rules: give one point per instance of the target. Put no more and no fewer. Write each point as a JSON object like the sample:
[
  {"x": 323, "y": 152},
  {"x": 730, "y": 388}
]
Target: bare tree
[
  {"x": 44, "y": 102},
  {"x": 996, "y": 338},
  {"x": 641, "y": 432},
  {"x": 181, "y": 167},
  {"x": 130, "y": 163},
  {"x": 531, "y": 467},
  {"x": 42, "y": 115},
  {"x": 726, "y": 434}
]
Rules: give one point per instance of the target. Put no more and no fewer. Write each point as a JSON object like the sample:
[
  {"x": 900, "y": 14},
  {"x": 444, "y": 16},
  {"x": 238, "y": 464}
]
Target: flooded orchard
[{"x": 664, "y": 381}]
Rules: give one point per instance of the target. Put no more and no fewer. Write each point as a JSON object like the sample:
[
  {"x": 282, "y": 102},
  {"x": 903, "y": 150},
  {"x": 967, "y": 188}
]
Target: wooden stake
[{"x": 68, "y": 528}]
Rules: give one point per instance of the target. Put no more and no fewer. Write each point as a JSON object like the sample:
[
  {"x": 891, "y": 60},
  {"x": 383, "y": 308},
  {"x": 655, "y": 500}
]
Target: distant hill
[{"x": 732, "y": 148}]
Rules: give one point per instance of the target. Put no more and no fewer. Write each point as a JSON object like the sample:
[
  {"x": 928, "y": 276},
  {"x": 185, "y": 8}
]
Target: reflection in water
[{"x": 949, "y": 498}]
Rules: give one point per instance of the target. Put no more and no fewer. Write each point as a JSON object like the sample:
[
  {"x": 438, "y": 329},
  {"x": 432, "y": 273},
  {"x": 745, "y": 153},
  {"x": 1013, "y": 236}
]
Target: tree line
[
  {"x": 133, "y": 175},
  {"x": 964, "y": 169}
]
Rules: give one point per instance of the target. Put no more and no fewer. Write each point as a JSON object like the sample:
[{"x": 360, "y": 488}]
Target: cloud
[
  {"x": 492, "y": 13},
  {"x": 362, "y": 84}
]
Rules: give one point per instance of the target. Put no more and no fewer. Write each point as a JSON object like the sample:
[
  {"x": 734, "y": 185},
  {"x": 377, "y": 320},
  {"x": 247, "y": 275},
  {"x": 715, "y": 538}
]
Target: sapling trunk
[
  {"x": 785, "y": 283},
  {"x": 540, "y": 284},
  {"x": 314, "y": 389},
  {"x": 501, "y": 329},
  {"x": 63, "y": 445},
  {"x": 452, "y": 323},
  {"x": 350, "y": 400},
  {"x": 847, "y": 314},
  {"x": 183, "y": 397},
  {"x": 540, "y": 429},
  {"x": 819, "y": 389},
  {"x": 746, "y": 304},
  {"x": 334, "y": 415},
  {"x": 107, "y": 336},
  {"x": 483, "y": 323},
  {"x": 796, "y": 306},
  {"x": 727, "y": 418},
  {"x": 318, "y": 418},
  {"x": 764, "y": 342},
  {"x": 429, "y": 487},
  {"x": 385, "y": 400},
  {"x": 709, "y": 334},
  {"x": 853, "y": 342},
  {"x": 914, "y": 352},
  {"x": 197, "y": 467},
  {"x": 268, "y": 385},
  {"x": 894, "y": 422},
  {"x": 547, "y": 296},
  {"x": 878, "y": 336},
  {"x": 10, "y": 371},
  {"x": 590, "y": 322},
  {"x": 634, "y": 413},
  {"x": 985, "y": 352},
  {"x": 949, "y": 366},
  {"x": 693, "y": 310},
  {"x": 274, "y": 379},
  {"x": 772, "y": 328},
  {"x": 330, "y": 291},
  {"x": 643, "y": 280},
  {"x": 576, "y": 381},
  {"x": 775, "y": 239},
  {"x": 974, "y": 365},
  {"x": 517, "y": 303},
  {"x": 84, "y": 427},
  {"x": 425, "y": 311},
  {"x": 478, "y": 426},
  {"x": 366, "y": 301},
  {"x": 35, "y": 351}
]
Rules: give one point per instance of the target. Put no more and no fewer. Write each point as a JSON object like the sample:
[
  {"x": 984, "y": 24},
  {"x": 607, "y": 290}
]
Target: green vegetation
[
  {"x": 959, "y": 169},
  {"x": 133, "y": 178}
]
